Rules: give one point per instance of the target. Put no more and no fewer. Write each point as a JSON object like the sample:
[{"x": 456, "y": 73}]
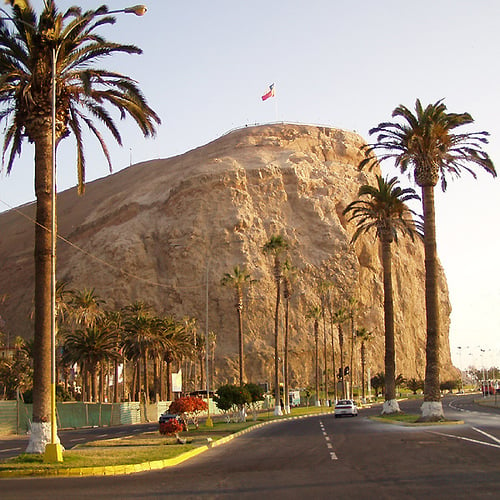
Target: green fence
[{"x": 15, "y": 416}]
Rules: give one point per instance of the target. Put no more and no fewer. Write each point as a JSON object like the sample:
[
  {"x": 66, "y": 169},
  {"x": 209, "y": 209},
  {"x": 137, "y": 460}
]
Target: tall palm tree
[
  {"x": 239, "y": 279},
  {"x": 314, "y": 313},
  {"x": 426, "y": 143},
  {"x": 276, "y": 246},
  {"x": 382, "y": 208},
  {"x": 84, "y": 91}
]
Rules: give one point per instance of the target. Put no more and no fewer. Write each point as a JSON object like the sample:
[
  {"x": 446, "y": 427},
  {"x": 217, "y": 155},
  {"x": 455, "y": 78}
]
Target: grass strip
[{"x": 139, "y": 449}]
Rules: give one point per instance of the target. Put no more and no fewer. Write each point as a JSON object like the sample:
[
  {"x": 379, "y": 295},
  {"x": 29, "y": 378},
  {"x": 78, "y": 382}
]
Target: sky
[{"x": 342, "y": 64}]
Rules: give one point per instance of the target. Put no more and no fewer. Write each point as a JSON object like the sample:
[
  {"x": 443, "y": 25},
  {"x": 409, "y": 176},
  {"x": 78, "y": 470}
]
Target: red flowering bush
[
  {"x": 188, "y": 407},
  {"x": 171, "y": 427}
]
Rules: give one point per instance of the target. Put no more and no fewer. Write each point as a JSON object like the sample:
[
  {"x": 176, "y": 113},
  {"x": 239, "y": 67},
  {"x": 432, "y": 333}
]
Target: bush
[
  {"x": 229, "y": 396},
  {"x": 414, "y": 385},
  {"x": 171, "y": 427},
  {"x": 449, "y": 385},
  {"x": 188, "y": 407},
  {"x": 256, "y": 392}
]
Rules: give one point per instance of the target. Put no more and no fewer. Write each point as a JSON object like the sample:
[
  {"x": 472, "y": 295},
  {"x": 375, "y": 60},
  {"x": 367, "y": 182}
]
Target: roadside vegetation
[{"x": 146, "y": 447}]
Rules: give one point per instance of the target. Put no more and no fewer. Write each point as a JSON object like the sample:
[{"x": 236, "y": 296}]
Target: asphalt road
[
  {"x": 11, "y": 446},
  {"x": 316, "y": 458}
]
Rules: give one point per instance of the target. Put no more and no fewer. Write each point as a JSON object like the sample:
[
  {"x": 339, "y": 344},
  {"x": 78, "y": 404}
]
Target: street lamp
[
  {"x": 53, "y": 450},
  {"x": 208, "y": 422}
]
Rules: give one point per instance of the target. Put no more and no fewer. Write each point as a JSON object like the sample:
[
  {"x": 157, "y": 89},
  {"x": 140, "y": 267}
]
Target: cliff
[{"x": 155, "y": 231}]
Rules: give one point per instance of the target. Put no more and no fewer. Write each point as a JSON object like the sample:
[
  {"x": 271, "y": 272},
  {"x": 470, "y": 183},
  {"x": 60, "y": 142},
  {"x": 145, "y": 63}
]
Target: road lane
[{"x": 292, "y": 460}]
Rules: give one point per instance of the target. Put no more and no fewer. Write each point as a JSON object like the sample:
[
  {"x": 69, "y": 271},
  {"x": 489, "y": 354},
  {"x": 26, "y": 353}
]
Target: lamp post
[
  {"x": 53, "y": 450},
  {"x": 208, "y": 422}
]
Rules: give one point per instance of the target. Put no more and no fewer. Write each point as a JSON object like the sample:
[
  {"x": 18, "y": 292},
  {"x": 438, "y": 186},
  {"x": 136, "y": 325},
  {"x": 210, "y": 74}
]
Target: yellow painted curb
[{"x": 114, "y": 470}]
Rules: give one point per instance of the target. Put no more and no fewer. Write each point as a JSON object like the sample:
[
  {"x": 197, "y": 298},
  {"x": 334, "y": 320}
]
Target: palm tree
[
  {"x": 364, "y": 336},
  {"x": 383, "y": 210},
  {"x": 178, "y": 345},
  {"x": 85, "y": 308},
  {"x": 288, "y": 277},
  {"x": 276, "y": 246},
  {"x": 238, "y": 280},
  {"x": 113, "y": 322},
  {"x": 139, "y": 339},
  {"x": 90, "y": 347},
  {"x": 314, "y": 313},
  {"x": 426, "y": 144},
  {"x": 70, "y": 45},
  {"x": 324, "y": 291}
]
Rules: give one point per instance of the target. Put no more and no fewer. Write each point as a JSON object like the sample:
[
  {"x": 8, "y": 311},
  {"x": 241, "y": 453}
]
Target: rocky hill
[{"x": 155, "y": 231}]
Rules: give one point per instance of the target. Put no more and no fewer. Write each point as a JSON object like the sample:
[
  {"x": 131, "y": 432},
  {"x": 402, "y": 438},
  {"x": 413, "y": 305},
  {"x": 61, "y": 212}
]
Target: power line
[{"x": 102, "y": 261}]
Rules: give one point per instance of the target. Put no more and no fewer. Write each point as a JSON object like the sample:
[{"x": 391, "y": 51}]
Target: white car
[{"x": 346, "y": 407}]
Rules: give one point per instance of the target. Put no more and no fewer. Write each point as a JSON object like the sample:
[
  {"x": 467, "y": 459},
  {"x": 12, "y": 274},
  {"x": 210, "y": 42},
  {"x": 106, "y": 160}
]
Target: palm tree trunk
[
  {"x": 341, "y": 346},
  {"x": 351, "y": 370},
  {"x": 325, "y": 353},
  {"x": 162, "y": 379},
  {"x": 316, "y": 361},
  {"x": 202, "y": 373},
  {"x": 156, "y": 379},
  {"x": 137, "y": 378},
  {"x": 390, "y": 360},
  {"x": 145, "y": 377},
  {"x": 363, "y": 364},
  {"x": 286, "y": 389},
  {"x": 102, "y": 372},
  {"x": 40, "y": 428},
  {"x": 333, "y": 356},
  {"x": 169, "y": 384},
  {"x": 116, "y": 397},
  {"x": 277, "y": 406},
  {"x": 390, "y": 353},
  {"x": 94, "y": 384},
  {"x": 239, "y": 307},
  {"x": 431, "y": 388}
]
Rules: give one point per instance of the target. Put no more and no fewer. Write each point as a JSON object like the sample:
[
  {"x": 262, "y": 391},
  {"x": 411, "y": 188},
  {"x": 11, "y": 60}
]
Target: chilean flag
[{"x": 270, "y": 93}]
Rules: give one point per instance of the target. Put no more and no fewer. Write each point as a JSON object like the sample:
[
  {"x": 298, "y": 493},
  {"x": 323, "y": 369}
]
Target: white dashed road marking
[{"x": 329, "y": 445}]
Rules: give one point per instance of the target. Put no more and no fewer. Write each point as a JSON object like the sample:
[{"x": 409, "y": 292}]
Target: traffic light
[
  {"x": 346, "y": 370},
  {"x": 340, "y": 375}
]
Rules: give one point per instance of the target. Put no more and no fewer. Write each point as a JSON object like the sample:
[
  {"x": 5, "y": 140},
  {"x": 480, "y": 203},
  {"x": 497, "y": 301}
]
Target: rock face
[{"x": 157, "y": 230}]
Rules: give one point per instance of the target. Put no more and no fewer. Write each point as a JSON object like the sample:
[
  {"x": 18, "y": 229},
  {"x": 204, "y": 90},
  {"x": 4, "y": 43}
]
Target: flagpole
[{"x": 275, "y": 106}]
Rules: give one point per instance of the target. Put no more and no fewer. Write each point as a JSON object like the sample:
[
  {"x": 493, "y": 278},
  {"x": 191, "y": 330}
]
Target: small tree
[
  {"x": 188, "y": 408},
  {"x": 378, "y": 382},
  {"x": 415, "y": 385},
  {"x": 256, "y": 395},
  {"x": 449, "y": 385},
  {"x": 171, "y": 427},
  {"x": 233, "y": 397}
]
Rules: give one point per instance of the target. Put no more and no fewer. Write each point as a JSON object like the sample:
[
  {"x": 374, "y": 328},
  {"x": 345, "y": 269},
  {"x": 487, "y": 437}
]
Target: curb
[{"x": 118, "y": 470}]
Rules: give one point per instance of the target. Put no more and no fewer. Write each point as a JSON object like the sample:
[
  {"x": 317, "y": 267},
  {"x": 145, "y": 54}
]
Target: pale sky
[{"x": 343, "y": 64}]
